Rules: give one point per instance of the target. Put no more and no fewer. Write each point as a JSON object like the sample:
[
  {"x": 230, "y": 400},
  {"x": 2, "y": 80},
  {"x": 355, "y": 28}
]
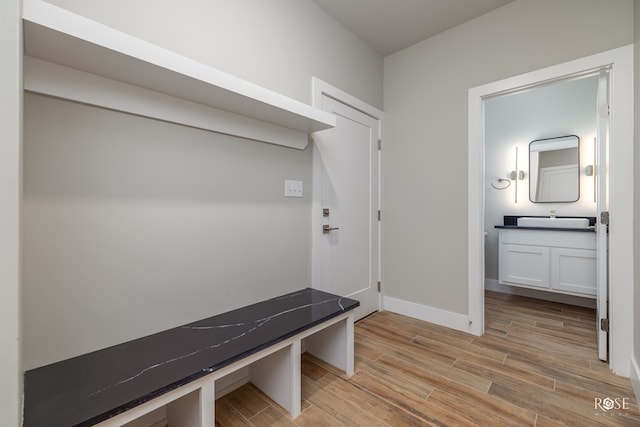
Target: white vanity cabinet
[{"x": 550, "y": 260}]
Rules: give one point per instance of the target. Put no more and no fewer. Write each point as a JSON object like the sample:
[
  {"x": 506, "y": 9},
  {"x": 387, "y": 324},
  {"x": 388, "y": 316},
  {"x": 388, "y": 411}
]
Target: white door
[
  {"x": 558, "y": 183},
  {"x": 348, "y": 233},
  {"x": 602, "y": 205}
]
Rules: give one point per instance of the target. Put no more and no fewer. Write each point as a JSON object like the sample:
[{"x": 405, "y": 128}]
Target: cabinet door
[
  {"x": 524, "y": 265},
  {"x": 573, "y": 270}
]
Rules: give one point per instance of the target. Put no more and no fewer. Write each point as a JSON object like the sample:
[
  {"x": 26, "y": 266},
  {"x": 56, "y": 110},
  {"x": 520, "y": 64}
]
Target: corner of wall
[
  {"x": 635, "y": 377},
  {"x": 429, "y": 314}
]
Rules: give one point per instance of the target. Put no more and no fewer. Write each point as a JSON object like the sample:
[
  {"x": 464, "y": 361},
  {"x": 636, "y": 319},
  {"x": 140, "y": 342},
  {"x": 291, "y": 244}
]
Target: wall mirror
[{"x": 554, "y": 165}]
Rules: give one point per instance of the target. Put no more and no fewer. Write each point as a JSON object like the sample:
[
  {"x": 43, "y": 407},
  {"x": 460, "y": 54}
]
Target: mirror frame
[{"x": 577, "y": 175}]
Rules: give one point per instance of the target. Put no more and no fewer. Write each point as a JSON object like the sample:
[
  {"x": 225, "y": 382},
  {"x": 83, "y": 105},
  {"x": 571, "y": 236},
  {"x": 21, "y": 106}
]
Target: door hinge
[
  {"x": 604, "y": 325},
  {"x": 379, "y": 144},
  {"x": 604, "y": 218},
  {"x": 379, "y": 286},
  {"x": 379, "y": 215}
]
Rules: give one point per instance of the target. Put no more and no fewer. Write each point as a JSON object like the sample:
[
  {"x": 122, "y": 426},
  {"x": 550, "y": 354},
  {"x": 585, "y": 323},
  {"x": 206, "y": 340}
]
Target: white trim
[
  {"x": 621, "y": 192},
  {"x": 621, "y": 204},
  {"x": 320, "y": 88},
  {"x": 427, "y": 313},
  {"x": 635, "y": 377},
  {"x": 11, "y": 184},
  {"x": 476, "y": 233}
]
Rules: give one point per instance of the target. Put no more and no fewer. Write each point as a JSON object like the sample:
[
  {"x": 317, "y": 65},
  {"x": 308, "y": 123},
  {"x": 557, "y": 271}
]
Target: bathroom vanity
[{"x": 553, "y": 259}]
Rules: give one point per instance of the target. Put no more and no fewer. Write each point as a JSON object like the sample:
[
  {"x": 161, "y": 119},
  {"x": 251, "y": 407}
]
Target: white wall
[
  {"x": 133, "y": 225},
  {"x": 565, "y": 108},
  {"x": 278, "y": 44},
  {"x": 426, "y": 89},
  {"x": 10, "y": 193}
]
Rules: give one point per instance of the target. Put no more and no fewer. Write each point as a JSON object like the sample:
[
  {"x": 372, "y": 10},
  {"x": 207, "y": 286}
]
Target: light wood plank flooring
[{"x": 537, "y": 365}]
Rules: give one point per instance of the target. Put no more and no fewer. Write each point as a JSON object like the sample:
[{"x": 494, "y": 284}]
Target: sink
[{"x": 553, "y": 222}]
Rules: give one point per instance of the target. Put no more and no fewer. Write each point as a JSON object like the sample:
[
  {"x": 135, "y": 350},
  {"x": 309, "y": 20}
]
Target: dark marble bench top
[{"x": 87, "y": 389}]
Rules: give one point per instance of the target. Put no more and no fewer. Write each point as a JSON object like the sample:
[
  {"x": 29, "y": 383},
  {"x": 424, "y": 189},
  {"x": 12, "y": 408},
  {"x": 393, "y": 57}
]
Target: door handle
[{"x": 326, "y": 228}]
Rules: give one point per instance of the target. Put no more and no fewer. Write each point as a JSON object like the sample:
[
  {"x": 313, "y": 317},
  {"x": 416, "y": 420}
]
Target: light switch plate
[{"x": 292, "y": 188}]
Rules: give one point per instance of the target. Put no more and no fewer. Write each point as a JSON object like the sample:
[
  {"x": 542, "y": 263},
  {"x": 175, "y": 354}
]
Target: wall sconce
[{"x": 517, "y": 175}]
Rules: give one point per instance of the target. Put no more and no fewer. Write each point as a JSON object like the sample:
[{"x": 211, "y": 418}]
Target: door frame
[
  {"x": 321, "y": 88},
  {"x": 621, "y": 190}
]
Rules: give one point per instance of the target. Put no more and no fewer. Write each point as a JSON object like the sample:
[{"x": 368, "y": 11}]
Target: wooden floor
[{"x": 537, "y": 365}]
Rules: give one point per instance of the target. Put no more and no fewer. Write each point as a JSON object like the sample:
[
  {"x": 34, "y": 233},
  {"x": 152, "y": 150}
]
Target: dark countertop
[
  {"x": 87, "y": 389},
  {"x": 515, "y": 227}
]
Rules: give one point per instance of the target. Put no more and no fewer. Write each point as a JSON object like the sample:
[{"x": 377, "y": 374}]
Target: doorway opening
[
  {"x": 618, "y": 63},
  {"x": 540, "y": 160}
]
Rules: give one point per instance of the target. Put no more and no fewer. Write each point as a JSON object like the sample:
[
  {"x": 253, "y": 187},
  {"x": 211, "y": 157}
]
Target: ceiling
[{"x": 392, "y": 25}]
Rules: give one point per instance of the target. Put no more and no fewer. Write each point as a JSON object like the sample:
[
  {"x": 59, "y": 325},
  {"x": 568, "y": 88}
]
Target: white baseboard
[
  {"x": 635, "y": 377},
  {"x": 427, "y": 313},
  {"x": 459, "y": 321},
  {"x": 494, "y": 285}
]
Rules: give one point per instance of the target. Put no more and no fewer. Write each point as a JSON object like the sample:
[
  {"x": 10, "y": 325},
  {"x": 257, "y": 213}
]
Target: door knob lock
[{"x": 326, "y": 228}]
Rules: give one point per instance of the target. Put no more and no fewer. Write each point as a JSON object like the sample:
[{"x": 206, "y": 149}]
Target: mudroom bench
[{"x": 178, "y": 369}]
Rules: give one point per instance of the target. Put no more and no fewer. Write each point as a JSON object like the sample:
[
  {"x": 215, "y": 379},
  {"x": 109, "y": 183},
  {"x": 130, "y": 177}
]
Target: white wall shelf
[{"x": 76, "y": 46}]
